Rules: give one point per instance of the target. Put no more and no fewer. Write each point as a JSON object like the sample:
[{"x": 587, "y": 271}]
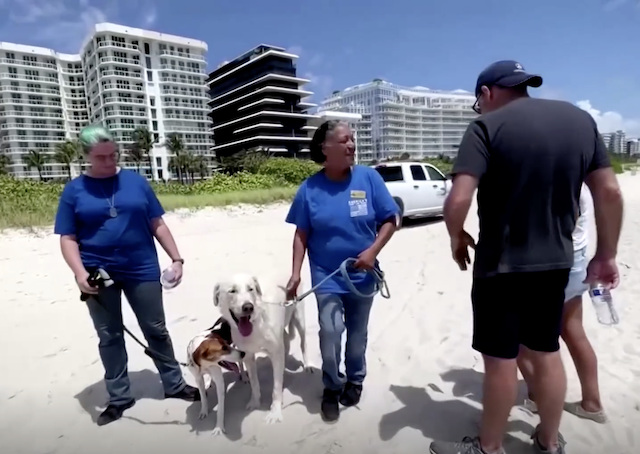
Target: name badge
[{"x": 358, "y": 195}]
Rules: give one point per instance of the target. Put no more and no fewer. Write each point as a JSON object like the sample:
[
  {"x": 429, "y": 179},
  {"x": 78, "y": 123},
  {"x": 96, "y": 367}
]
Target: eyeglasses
[{"x": 476, "y": 105}]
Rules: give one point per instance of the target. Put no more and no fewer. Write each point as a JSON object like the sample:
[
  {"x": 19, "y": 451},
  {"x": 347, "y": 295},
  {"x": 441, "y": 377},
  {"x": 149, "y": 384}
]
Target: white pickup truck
[{"x": 418, "y": 188}]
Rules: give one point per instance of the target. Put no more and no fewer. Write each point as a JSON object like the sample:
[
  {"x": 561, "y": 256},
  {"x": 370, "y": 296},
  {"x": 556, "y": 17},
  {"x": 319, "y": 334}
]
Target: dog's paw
[
  {"x": 217, "y": 431},
  {"x": 203, "y": 415},
  {"x": 253, "y": 404},
  {"x": 273, "y": 416}
]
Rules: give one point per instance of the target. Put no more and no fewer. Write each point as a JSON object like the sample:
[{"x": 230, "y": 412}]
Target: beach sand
[{"x": 424, "y": 380}]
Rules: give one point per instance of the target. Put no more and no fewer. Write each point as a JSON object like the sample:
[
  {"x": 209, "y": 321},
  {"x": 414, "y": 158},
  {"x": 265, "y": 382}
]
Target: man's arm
[
  {"x": 470, "y": 166},
  {"x": 607, "y": 200}
]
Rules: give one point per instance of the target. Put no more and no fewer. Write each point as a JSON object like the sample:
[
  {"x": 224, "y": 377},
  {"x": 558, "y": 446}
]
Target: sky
[{"x": 586, "y": 50}]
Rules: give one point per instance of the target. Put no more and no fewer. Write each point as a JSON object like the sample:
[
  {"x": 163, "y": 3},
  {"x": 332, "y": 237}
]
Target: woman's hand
[
  {"x": 292, "y": 287},
  {"x": 366, "y": 260},
  {"x": 177, "y": 269},
  {"x": 83, "y": 284}
]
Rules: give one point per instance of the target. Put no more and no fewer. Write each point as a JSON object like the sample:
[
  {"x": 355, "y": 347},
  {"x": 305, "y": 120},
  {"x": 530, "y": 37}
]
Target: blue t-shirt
[
  {"x": 123, "y": 245},
  {"x": 341, "y": 220}
]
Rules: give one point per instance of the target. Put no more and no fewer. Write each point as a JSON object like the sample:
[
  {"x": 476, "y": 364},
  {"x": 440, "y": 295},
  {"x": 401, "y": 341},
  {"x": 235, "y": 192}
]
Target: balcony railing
[
  {"x": 128, "y": 74},
  {"x": 172, "y": 53},
  {"x": 15, "y": 113},
  {"x": 123, "y": 61},
  {"x": 119, "y": 45},
  {"x": 31, "y": 126},
  {"x": 182, "y": 69},
  {"x": 31, "y": 102},
  {"x": 112, "y": 100},
  {"x": 33, "y": 139},
  {"x": 34, "y": 64}
]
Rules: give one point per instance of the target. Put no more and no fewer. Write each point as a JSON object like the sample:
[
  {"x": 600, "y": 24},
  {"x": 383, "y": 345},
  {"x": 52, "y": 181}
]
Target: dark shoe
[
  {"x": 351, "y": 395},
  {"x": 539, "y": 449},
  {"x": 329, "y": 409},
  {"x": 188, "y": 393},
  {"x": 113, "y": 413}
]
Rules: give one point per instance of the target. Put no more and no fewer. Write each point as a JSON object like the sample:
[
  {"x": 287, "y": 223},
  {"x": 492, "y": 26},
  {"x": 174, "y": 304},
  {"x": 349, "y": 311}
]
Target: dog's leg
[
  {"x": 204, "y": 404},
  {"x": 244, "y": 377},
  {"x": 299, "y": 322},
  {"x": 277, "y": 361},
  {"x": 252, "y": 372},
  {"x": 218, "y": 379}
]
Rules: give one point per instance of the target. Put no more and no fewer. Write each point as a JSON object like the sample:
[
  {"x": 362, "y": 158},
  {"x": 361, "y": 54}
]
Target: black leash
[{"x": 97, "y": 280}]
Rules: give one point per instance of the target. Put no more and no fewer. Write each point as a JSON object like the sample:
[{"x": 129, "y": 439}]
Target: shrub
[{"x": 291, "y": 171}]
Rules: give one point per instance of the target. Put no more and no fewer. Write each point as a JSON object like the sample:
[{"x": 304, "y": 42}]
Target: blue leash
[{"x": 380, "y": 284}]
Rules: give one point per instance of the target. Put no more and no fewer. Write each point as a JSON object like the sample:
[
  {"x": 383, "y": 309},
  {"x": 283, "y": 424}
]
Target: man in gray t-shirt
[{"x": 528, "y": 158}]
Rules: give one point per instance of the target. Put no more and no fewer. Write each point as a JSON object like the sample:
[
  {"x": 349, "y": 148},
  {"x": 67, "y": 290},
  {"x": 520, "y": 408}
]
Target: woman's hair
[
  {"x": 319, "y": 137},
  {"x": 93, "y": 135}
]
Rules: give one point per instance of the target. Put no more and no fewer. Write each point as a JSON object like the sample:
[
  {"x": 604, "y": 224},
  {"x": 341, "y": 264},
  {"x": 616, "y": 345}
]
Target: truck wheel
[{"x": 401, "y": 215}]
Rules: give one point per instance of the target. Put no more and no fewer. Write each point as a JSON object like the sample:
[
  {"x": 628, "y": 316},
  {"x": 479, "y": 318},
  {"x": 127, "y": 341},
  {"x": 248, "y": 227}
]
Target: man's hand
[
  {"x": 83, "y": 284},
  {"x": 460, "y": 249},
  {"x": 603, "y": 271},
  {"x": 292, "y": 287},
  {"x": 366, "y": 260}
]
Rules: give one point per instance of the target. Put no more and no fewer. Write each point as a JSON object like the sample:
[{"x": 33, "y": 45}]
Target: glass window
[
  {"x": 418, "y": 173},
  {"x": 434, "y": 175},
  {"x": 390, "y": 173}
]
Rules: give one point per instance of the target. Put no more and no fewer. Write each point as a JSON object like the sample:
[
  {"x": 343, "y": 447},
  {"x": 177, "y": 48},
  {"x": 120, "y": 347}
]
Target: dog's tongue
[{"x": 245, "y": 326}]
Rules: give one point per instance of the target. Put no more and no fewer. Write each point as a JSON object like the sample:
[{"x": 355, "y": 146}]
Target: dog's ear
[
  {"x": 257, "y": 285},
  {"x": 216, "y": 295}
]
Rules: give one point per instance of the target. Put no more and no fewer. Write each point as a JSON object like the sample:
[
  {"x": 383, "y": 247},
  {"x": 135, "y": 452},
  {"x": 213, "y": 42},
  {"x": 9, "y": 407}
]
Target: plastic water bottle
[
  {"x": 603, "y": 304},
  {"x": 168, "y": 279}
]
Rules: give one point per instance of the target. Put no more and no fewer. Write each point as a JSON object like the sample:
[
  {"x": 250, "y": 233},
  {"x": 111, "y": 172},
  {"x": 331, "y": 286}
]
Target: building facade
[
  {"x": 123, "y": 78},
  {"x": 615, "y": 141},
  {"x": 397, "y": 120},
  {"x": 257, "y": 103}
]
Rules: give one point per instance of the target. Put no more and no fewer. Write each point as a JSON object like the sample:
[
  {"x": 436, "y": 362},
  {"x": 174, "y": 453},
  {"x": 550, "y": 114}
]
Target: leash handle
[{"x": 380, "y": 284}]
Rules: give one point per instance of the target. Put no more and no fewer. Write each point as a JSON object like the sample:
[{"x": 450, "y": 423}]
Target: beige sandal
[{"x": 575, "y": 408}]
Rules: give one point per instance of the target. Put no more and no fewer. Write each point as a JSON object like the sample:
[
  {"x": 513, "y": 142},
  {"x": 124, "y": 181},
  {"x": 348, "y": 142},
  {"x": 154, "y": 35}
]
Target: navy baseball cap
[{"x": 507, "y": 74}]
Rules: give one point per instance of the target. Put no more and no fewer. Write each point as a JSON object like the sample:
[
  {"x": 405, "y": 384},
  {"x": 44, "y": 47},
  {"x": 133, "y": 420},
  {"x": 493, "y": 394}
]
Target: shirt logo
[{"x": 358, "y": 207}]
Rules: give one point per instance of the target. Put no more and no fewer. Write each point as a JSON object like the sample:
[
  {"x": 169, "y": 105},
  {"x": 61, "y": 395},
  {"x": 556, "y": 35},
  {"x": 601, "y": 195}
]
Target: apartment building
[
  {"x": 124, "y": 78},
  {"x": 615, "y": 141},
  {"x": 257, "y": 102},
  {"x": 396, "y": 120}
]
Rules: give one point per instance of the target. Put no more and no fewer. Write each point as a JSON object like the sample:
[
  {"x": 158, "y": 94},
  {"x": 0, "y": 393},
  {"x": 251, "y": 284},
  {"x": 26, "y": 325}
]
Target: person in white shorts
[{"x": 584, "y": 357}]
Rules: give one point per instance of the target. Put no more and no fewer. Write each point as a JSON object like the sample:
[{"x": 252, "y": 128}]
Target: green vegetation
[{"x": 27, "y": 203}]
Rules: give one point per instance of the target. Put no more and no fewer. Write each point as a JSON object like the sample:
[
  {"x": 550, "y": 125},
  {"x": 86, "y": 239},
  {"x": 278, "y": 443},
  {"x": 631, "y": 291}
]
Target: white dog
[
  {"x": 258, "y": 319},
  {"x": 208, "y": 353}
]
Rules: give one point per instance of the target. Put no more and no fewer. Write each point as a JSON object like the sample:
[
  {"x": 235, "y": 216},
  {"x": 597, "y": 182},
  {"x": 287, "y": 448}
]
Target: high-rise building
[
  {"x": 615, "y": 141},
  {"x": 124, "y": 78},
  {"x": 257, "y": 102},
  {"x": 399, "y": 120}
]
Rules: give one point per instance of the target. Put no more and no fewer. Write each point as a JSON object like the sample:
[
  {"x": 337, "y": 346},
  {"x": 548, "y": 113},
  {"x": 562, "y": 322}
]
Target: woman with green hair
[{"x": 108, "y": 218}]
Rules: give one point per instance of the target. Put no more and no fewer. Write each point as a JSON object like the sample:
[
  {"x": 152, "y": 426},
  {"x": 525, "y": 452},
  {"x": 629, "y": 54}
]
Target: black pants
[{"x": 516, "y": 309}]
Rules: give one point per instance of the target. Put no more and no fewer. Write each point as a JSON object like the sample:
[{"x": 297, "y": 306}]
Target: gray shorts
[{"x": 576, "y": 286}]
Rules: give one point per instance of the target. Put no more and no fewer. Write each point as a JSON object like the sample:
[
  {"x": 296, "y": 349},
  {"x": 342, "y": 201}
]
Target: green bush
[{"x": 291, "y": 171}]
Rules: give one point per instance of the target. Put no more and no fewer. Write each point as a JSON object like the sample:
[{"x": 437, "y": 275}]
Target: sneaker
[
  {"x": 351, "y": 395},
  {"x": 113, "y": 413},
  {"x": 468, "y": 445},
  {"x": 530, "y": 405},
  {"x": 576, "y": 408},
  {"x": 188, "y": 393},
  {"x": 329, "y": 409},
  {"x": 539, "y": 449}
]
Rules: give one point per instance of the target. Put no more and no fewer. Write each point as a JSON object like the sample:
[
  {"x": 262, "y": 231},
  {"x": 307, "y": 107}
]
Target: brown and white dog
[{"x": 208, "y": 353}]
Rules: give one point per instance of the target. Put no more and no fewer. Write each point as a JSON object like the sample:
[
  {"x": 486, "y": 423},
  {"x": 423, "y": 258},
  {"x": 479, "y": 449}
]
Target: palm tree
[
  {"x": 178, "y": 162},
  {"x": 136, "y": 155},
  {"x": 5, "y": 162},
  {"x": 143, "y": 141},
  {"x": 38, "y": 160},
  {"x": 201, "y": 166},
  {"x": 66, "y": 153}
]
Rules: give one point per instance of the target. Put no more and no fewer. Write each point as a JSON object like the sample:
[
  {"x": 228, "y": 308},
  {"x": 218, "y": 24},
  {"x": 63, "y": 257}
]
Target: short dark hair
[{"x": 319, "y": 137}]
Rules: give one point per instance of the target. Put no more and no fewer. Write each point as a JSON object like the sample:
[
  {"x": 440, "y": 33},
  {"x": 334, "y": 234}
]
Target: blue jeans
[
  {"x": 145, "y": 299},
  {"x": 337, "y": 312}
]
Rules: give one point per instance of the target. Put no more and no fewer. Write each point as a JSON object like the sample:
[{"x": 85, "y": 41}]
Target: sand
[{"x": 424, "y": 380}]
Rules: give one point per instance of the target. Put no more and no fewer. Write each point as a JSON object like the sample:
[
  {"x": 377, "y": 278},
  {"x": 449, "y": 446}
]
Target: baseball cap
[{"x": 506, "y": 73}]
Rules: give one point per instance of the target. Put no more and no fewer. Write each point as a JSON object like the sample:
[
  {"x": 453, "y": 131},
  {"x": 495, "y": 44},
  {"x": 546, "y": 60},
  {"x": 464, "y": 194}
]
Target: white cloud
[
  {"x": 611, "y": 121},
  {"x": 62, "y": 25},
  {"x": 321, "y": 84}
]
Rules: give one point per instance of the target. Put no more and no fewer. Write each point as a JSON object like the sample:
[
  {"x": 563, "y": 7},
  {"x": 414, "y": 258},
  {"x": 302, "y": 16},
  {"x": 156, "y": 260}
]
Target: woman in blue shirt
[
  {"x": 337, "y": 213},
  {"x": 108, "y": 218}
]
